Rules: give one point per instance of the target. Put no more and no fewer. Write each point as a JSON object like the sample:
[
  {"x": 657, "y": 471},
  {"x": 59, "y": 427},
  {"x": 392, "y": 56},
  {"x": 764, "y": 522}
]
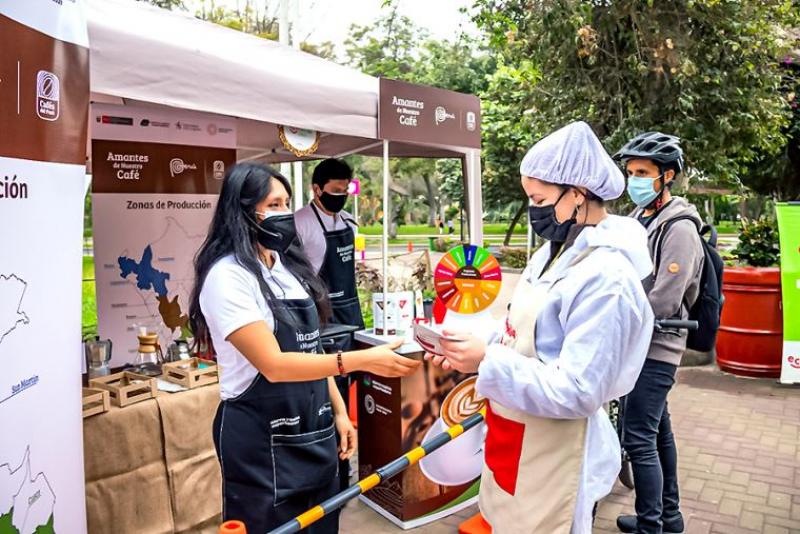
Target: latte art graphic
[{"x": 462, "y": 402}]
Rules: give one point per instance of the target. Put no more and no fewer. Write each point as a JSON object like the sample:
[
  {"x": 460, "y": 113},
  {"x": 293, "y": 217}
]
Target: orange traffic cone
[
  {"x": 232, "y": 527},
  {"x": 475, "y": 525}
]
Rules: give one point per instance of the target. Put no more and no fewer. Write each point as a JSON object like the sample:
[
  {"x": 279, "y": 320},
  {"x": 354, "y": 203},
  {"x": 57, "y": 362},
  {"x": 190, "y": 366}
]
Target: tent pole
[
  {"x": 297, "y": 172},
  {"x": 293, "y": 31},
  {"x": 474, "y": 197},
  {"x": 283, "y": 38},
  {"x": 385, "y": 240},
  {"x": 466, "y": 204}
]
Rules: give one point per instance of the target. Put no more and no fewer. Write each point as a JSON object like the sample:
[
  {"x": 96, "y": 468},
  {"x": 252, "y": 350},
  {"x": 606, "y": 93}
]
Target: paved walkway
[{"x": 739, "y": 459}]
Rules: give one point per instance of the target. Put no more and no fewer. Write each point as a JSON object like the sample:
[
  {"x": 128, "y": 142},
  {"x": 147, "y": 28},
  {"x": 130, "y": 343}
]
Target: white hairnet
[{"x": 574, "y": 156}]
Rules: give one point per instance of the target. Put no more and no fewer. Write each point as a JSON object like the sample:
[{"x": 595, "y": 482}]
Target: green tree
[
  {"x": 387, "y": 48},
  {"x": 166, "y": 4},
  {"x": 324, "y": 50},
  {"x": 459, "y": 65},
  {"x": 251, "y": 19},
  {"x": 778, "y": 175},
  {"x": 256, "y": 19},
  {"x": 704, "y": 70},
  {"x": 507, "y": 134}
]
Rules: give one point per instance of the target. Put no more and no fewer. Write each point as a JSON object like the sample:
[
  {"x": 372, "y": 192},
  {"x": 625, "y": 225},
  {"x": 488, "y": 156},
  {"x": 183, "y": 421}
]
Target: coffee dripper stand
[{"x": 149, "y": 356}]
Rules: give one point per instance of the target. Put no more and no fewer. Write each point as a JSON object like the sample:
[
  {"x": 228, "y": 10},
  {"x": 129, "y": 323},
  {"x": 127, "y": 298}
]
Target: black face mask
[
  {"x": 544, "y": 223},
  {"x": 277, "y": 232},
  {"x": 333, "y": 203}
]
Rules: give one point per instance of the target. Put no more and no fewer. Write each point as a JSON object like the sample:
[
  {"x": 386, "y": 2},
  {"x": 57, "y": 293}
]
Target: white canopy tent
[{"x": 145, "y": 55}]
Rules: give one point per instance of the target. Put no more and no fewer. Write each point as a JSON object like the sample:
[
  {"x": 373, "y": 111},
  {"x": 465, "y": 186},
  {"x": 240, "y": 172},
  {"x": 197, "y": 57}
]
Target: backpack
[{"x": 707, "y": 309}]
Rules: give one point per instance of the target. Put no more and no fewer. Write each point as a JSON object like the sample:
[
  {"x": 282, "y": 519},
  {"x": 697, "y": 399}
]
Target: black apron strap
[{"x": 321, "y": 224}]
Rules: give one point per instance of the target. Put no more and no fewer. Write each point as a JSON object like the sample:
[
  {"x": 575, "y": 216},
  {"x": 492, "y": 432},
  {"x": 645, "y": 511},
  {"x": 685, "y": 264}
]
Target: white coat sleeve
[{"x": 599, "y": 326}]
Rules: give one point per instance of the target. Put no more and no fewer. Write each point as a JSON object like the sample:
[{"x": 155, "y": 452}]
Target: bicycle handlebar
[{"x": 676, "y": 324}]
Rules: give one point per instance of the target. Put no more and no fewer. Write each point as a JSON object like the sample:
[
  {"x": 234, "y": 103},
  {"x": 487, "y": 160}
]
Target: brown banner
[
  {"x": 128, "y": 167},
  {"x": 44, "y": 95},
  {"x": 429, "y": 115}
]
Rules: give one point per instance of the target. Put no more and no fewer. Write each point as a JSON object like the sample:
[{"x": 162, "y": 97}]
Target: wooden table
[{"x": 151, "y": 467}]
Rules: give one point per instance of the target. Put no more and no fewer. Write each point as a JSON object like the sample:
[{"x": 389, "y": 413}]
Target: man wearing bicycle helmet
[{"x": 653, "y": 160}]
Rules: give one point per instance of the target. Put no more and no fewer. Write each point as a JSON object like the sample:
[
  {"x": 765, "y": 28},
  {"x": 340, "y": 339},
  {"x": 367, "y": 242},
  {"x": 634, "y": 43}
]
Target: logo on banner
[
  {"x": 147, "y": 123},
  {"x": 369, "y": 404},
  {"x": 442, "y": 115},
  {"x": 212, "y": 129},
  {"x": 117, "y": 121},
  {"x": 177, "y": 166},
  {"x": 187, "y": 126},
  {"x": 219, "y": 170},
  {"x": 48, "y": 95},
  {"x": 794, "y": 361},
  {"x": 472, "y": 122}
]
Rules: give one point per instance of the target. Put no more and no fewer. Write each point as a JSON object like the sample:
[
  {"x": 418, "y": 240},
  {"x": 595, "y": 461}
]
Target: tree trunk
[
  {"x": 758, "y": 209},
  {"x": 712, "y": 212},
  {"x": 513, "y": 224},
  {"x": 431, "y": 200},
  {"x": 395, "y": 213}
]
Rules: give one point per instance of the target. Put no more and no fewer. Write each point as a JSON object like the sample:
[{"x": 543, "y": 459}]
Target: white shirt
[
  {"x": 311, "y": 233},
  {"x": 592, "y": 336},
  {"x": 230, "y": 299}
]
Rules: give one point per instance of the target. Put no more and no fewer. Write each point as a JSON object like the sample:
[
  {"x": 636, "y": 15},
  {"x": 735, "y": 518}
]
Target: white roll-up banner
[{"x": 44, "y": 99}]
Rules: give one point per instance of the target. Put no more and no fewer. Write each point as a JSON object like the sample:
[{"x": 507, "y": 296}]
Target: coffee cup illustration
[{"x": 461, "y": 460}]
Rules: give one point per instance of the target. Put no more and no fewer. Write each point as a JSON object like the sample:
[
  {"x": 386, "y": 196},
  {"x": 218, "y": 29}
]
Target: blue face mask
[{"x": 641, "y": 190}]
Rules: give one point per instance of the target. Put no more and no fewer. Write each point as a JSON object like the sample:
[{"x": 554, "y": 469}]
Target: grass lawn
[
  {"x": 89, "y": 311},
  {"x": 422, "y": 229},
  {"x": 497, "y": 229},
  {"x": 421, "y": 241},
  {"x": 727, "y": 228}
]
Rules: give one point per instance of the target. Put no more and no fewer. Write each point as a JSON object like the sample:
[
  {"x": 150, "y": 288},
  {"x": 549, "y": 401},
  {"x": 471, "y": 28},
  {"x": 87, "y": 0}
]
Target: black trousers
[{"x": 650, "y": 444}]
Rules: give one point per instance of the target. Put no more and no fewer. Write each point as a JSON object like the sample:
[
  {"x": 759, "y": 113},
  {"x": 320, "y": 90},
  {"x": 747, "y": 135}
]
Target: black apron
[
  {"x": 276, "y": 442},
  {"x": 338, "y": 271}
]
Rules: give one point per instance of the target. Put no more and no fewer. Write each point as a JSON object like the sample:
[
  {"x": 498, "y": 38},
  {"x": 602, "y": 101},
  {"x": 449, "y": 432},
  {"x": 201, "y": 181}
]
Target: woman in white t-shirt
[{"x": 259, "y": 302}]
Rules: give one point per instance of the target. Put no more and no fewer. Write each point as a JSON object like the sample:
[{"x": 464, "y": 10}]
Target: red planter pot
[{"x": 750, "y": 339}]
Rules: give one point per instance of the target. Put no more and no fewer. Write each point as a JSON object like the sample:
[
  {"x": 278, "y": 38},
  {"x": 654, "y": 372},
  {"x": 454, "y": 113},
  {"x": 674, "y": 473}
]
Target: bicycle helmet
[{"x": 661, "y": 148}]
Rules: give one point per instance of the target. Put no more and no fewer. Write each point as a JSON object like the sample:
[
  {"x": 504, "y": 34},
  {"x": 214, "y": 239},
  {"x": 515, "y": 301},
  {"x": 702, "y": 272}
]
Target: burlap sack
[
  {"x": 151, "y": 467},
  {"x": 192, "y": 465},
  {"x": 127, "y": 490}
]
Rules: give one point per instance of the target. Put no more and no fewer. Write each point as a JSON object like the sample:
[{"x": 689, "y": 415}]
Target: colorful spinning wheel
[{"x": 467, "y": 279}]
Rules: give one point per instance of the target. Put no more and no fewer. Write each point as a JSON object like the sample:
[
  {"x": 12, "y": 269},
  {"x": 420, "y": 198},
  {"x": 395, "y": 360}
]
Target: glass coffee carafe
[{"x": 149, "y": 356}]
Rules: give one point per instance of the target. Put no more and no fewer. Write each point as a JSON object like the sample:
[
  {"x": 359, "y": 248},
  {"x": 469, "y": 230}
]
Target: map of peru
[
  {"x": 26, "y": 502},
  {"x": 12, "y": 316},
  {"x": 147, "y": 278}
]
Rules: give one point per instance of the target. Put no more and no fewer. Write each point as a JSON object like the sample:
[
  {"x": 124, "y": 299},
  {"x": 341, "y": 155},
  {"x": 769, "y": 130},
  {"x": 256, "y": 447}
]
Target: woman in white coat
[{"x": 575, "y": 337}]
